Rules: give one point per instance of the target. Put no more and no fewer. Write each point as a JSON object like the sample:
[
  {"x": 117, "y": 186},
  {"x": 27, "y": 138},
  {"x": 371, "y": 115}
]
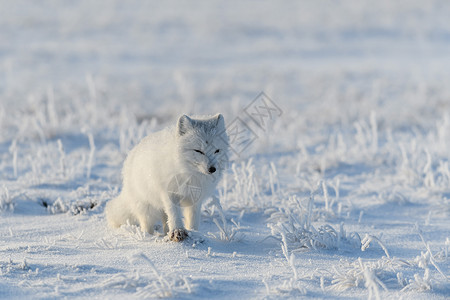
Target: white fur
[{"x": 151, "y": 168}]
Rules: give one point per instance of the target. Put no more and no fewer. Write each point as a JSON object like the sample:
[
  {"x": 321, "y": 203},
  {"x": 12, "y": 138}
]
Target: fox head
[{"x": 203, "y": 144}]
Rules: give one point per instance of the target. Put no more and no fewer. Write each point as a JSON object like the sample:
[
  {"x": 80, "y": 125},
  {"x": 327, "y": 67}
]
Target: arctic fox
[{"x": 171, "y": 172}]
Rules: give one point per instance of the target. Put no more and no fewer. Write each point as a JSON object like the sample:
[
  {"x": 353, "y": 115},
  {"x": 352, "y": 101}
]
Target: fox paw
[{"x": 178, "y": 235}]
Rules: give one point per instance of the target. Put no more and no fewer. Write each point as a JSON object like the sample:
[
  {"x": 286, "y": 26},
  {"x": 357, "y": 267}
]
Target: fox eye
[
  {"x": 217, "y": 151},
  {"x": 198, "y": 151}
]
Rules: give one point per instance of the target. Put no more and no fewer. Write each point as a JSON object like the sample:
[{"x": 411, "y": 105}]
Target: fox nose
[{"x": 211, "y": 170}]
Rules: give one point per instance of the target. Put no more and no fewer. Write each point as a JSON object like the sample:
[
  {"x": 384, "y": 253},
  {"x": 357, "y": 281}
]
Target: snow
[{"x": 344, "y": 193}]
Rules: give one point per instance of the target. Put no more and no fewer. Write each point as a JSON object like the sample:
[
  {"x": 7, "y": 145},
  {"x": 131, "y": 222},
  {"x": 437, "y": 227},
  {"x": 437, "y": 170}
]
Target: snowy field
[{"x": 344, "y": 194}]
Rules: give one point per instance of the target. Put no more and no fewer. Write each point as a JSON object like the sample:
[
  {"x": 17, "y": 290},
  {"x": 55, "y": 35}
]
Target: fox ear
[
  {"x": 220, "y": 121},
  {"x": 184, "y": 124}
]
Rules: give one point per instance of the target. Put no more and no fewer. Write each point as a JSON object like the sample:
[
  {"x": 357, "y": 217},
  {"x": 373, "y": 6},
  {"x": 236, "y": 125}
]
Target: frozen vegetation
[{"x": 344, "y": 193}]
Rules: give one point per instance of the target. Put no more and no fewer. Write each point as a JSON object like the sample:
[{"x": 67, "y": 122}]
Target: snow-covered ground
[{"x": 344, "y": 194}]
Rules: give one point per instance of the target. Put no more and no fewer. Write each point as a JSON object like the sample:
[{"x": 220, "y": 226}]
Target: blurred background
[{"x": 105, "y": 66}]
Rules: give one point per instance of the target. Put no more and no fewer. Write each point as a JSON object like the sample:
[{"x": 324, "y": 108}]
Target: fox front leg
[
  {"x": 164, "y": 223},
  {"x": 177, "y": 232},
  {"x": 192, "y": 216}
]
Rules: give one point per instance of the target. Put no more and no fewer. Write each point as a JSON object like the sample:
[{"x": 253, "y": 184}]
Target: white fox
[{"x": 170, "y": 172}]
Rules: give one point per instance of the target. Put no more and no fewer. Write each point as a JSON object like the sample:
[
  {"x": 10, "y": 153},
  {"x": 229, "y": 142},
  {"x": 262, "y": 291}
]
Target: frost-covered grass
[{"x": 345, "y": 195}]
